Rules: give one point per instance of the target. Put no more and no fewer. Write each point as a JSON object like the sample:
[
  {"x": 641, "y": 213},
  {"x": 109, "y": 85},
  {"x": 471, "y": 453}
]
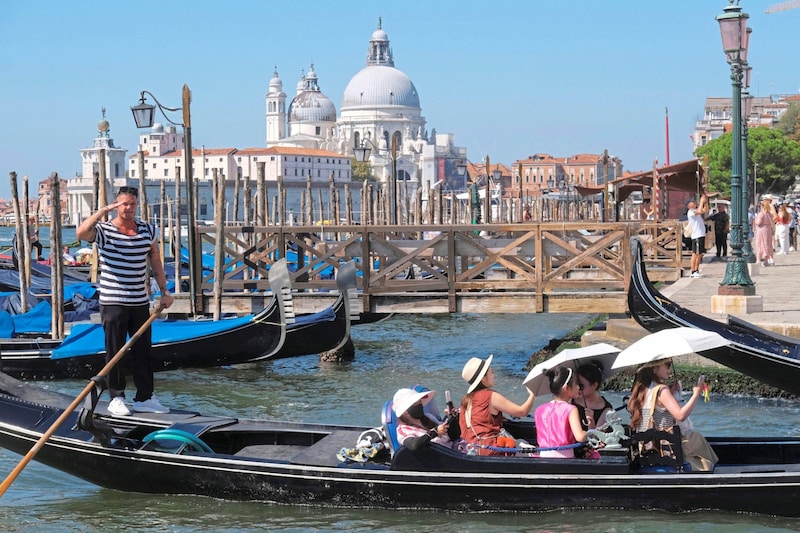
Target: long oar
[{"x": 74, "y": 405}]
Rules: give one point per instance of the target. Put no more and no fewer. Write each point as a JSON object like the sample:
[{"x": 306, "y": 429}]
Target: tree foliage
[
  {"x": 789, "y": 123},
  {"x": 360, "y": 169},
  {"x": 777, "y": 158}
]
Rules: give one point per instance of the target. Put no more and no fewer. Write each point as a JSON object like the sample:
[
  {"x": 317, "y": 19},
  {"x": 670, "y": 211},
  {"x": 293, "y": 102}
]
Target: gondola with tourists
[
  {"x": 763, "y": 355},
  {"x": 185, "y": 452}
]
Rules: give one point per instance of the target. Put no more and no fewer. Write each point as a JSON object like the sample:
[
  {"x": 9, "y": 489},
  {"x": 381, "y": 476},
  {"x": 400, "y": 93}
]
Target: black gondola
[
  {"x": 272, "y": 333},
  {"x": 296, "y": 463},
  {"x": 765, "y": 356}
]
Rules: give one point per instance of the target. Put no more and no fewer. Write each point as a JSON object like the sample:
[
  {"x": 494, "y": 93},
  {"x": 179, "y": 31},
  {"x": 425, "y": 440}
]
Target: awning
[{"x": 685, "y": 176}]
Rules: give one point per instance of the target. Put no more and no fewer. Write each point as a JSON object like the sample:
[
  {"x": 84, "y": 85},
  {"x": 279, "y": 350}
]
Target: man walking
[
  {"x": 124, "y": 245},
  {"x": 695, "y": 218}
]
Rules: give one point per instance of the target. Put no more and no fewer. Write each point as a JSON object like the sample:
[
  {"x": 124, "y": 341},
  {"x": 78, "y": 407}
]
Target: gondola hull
[
  {"x": 765, "y": 356},
  {"x": 295, "y": 463},
  {"x": 262, "y": 336}
]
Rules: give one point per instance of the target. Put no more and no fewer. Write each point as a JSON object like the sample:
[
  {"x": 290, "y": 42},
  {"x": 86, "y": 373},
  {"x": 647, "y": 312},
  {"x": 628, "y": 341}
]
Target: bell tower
[{"x": 276, "y": 110}]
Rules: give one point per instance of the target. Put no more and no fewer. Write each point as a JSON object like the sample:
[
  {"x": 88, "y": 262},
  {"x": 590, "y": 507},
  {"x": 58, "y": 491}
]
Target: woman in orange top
[{"x": 482, "y": 408}]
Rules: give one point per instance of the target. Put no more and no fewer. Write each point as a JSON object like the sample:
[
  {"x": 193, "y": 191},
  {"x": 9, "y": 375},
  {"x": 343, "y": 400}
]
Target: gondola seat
[{"x": 175, "y": 441}]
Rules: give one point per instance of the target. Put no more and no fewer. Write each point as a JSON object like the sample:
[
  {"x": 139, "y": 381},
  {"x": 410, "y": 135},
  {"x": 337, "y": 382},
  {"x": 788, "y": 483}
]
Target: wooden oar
[{"x": 74, "y": 405}]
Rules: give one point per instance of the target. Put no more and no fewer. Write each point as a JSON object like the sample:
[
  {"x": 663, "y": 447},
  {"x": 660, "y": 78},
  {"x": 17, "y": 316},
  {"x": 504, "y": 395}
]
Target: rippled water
[{"x": 391, "y": 354}]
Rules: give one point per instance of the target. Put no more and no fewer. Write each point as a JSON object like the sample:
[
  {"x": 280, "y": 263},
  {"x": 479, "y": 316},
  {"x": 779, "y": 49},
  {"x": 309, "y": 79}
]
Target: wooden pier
[{"x": 510, "y": 268}]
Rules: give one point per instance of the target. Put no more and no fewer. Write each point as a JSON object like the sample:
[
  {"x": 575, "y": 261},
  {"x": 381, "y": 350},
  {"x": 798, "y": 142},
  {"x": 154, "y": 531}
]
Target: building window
[
  {"x": 238, "y": 159},
  {"x": 154, "y": 165},
  {"x": 317, "y": 129},
  {"x": 133, "y": 173},
  {"x": 272, "y": 158},
  {"x": 166, "y": 173},
  {"x": 295, "y": 172}
]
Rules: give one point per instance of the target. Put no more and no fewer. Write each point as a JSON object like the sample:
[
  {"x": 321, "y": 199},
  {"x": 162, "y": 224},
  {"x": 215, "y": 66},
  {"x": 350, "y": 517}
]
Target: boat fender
[{"x": 180, "y": 436}]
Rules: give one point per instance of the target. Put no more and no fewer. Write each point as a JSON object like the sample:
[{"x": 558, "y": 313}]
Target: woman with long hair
[
  {"x": 653, "y": 405},
  {"x": 592, "y": 407},
  {"x": 782, "y": 221},
  {"x": 764, "y": 233},
  {"x": 482, "y": 409}
]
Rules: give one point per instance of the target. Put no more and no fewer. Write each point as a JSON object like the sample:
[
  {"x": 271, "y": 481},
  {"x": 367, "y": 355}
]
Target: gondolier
[{"x": 124, "y": 245}]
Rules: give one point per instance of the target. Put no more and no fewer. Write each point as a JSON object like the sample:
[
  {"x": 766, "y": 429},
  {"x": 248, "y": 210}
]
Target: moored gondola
[{"x": 765, "y": 356}]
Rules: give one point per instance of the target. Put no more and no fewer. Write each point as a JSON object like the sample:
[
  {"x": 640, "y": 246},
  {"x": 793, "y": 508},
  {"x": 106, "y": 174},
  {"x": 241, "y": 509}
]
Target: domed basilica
[{"x": 380, "y": 107}]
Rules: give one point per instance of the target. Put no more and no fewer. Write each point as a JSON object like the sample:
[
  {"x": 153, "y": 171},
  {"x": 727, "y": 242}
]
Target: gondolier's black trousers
[{"x": 120, "y": 322}]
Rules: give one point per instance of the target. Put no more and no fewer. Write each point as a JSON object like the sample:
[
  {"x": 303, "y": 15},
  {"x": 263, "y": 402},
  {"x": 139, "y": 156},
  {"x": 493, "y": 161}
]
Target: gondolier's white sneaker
[
  {"x": 150, "y": 406},
  {"x": 117, "y": 407}
]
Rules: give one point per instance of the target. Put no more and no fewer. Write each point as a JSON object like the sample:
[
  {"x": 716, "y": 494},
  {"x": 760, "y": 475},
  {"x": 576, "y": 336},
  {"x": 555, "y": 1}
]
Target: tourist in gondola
[
  {"x": 652, "y": 405},
  {"x": 592, "y": 407},
  {"x": 558, "y": 423},
  {"x": 125, "y": 246},
  {"x": 482, "y": 409},
  {"x": 416, "y": 427}
]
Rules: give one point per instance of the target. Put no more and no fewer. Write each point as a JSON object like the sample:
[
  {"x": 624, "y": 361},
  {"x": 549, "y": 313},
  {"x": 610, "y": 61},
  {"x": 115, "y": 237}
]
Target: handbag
[
  {"x": 687, "y": 230},
  {"x": 656, "y": 450}
]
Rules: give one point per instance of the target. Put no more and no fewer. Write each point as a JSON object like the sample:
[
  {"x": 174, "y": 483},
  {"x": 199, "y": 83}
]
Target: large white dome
[{"x": 380, "y": 85}]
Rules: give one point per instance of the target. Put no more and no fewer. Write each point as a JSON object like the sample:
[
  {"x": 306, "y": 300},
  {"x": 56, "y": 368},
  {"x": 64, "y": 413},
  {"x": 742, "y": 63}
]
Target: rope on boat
[{"x": 528, "y": 449}]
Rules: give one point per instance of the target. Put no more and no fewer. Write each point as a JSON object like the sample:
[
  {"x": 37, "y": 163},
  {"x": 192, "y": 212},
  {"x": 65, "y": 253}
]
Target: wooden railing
[{"x": 541, "y": 267}]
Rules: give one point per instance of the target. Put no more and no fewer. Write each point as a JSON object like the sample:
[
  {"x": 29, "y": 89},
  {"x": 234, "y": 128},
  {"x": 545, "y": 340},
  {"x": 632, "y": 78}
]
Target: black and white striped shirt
[{"x": 123, "y": 263}]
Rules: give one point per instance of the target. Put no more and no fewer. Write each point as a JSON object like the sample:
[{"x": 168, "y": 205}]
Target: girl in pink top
[{"x": 557, "y": 421}]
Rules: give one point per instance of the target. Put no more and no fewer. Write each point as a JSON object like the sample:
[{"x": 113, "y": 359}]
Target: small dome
[
  {"x": 157, "y": 128},
  {"x": 379, "y": 35},
  {"x": 311, "y": 106},
  {"x": 275, "y": 84},
  {"x": 380, "y": 85}
]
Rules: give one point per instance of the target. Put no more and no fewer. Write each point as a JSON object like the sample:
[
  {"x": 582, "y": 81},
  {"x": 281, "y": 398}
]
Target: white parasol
[
  {"x": 668, "y": 343},
  {"x": 603, "y": 353}
]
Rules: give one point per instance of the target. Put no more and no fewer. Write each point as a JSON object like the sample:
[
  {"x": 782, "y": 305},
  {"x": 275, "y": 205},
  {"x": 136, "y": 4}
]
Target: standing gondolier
[{"x": 124, "y": 245}]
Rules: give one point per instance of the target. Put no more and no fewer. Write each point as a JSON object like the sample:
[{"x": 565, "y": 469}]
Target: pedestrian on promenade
[
  {"x": 695, "y": 218},
  {"x": 722, "y": 225},
  {"x": 124, "y": 245},
  {"x": 782, "y": 221},
  {"x": 764, "y": 233}
]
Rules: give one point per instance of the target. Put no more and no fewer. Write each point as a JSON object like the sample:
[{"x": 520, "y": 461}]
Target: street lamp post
[
  {"x": 733, "y": 28},
  {"x": 747, "y": 103},
  {"x": 361, "y": 154},
  {"x": 144, "y": 115}
]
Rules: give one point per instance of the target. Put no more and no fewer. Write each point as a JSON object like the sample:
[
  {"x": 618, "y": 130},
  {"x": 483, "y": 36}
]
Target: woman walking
[{"x": 763, "y": 233}]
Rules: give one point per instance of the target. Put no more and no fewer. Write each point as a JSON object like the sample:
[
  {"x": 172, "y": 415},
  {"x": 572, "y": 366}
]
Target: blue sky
[{"x": 508, "y": 78}]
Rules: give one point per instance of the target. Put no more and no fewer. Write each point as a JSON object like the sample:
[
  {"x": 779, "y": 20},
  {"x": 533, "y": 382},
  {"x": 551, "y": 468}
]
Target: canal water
[{"x": 398, "y": 352}]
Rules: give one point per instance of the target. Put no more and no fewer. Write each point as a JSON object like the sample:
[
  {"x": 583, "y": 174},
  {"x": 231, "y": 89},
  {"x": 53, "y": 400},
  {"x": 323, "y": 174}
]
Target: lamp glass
[
  {"x": 497, "y": 174},
  {"x": 143, "y": 115},
  {"x": 733, "y": 28},
  {"x": 461, "y": 168},
  {"x": 747, "y": 105},
  {"x": 361, "y": 153}
]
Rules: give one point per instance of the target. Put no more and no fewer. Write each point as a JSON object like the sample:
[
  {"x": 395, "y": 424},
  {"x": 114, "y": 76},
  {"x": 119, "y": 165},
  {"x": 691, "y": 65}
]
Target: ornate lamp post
[
  {"x": 747, "y": 104},
  {"x": 733, "y": 27},
  {"x": 361, "y": 154},
  {"x": 144, "y": 115}
]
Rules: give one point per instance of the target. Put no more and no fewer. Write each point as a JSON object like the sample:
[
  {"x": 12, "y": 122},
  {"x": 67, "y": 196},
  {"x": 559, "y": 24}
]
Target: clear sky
[{"x": 508, "y": 78}]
